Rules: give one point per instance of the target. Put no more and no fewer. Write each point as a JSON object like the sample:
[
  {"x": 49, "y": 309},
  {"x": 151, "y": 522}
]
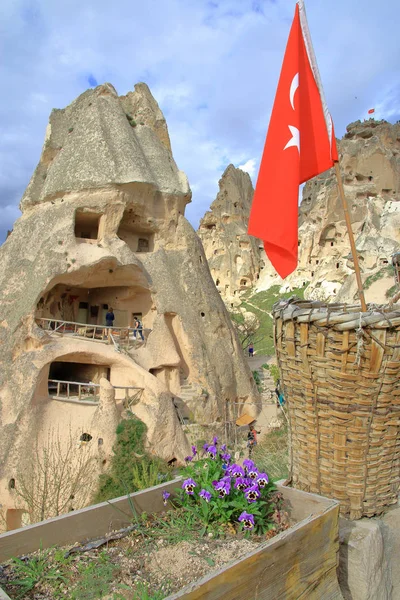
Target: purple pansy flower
[
  {"x": 223, "y": 447},
  {"x": 206, "y": 495},
  {"x": 215, "y": 440},
  {"x": 252, "y": 493},
  {"x": 223, "y": 487},
  {"x": 205, "y": 447},
  {"x": 262, "y": 480},
  {"x": 248, "y": 464},
  {"x": 194, "y": 450},
  {"x": 165, "y": 496},
  {"x": 226, "y": 457},
  {"x": 236, "y": 471},
  {"x": 188, "y": 485},
  {"x": 252, "y": 473},
  {"x": 247, "y": 520},
  {"x": 212, "y": 452},
  {"x": 188, "y": 458},
  {"x": 241, "y": 483}
]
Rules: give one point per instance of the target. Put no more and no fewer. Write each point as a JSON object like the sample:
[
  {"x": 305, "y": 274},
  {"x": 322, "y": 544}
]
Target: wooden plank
[
  {"x": 298, "y": 563},
  {"x": 289, "y": 337},
  {"x": 3, "y": 595},
  {"x": 320, "y": 344},
  {"x": 377, "y": 351},
  {"x": 302, "y": 504},
  {"x": 84, "y": 524},
  {"x": 345, "y": 349},
  {"x": 278, "y": 333},
  {"x": 304, "y": 347}
]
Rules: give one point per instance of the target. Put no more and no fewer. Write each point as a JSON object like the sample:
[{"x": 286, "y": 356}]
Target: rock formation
[
  {"x": 370, "y": 164},
  {"x": 234, "y": 258},
  {"x": 103, "y": 228}
]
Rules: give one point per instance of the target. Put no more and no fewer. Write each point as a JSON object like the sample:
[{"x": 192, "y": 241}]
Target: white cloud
[
  {"x": 213, "y": 66},
  {"x": 249, "y": 167}
]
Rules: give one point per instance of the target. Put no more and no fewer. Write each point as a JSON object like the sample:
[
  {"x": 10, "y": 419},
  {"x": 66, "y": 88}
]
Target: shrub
[
  {"x": 274, "y": 370},
  {"x": 257, "y": 379},
  {"x": 131, "y": 120},
  {"x": 384, "y": 272},
  {"x": 131, "y": 467},
  {"x": 391, "y": 291}
]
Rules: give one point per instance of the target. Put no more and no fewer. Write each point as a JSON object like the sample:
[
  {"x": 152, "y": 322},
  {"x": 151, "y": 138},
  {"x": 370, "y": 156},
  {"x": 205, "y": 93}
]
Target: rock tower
[
  {"x": 103, "y": 230},
  {"x": 235, "y": 258}
]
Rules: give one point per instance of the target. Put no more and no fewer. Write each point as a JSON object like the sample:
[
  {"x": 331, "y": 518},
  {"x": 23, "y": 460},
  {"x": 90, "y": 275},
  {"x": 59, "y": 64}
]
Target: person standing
[
  {"x": 138, "y": 328},
  {"x": 251, "y": 350},
  {"x": 252, "y": 439},
  {"x": 110, "y": 317}
]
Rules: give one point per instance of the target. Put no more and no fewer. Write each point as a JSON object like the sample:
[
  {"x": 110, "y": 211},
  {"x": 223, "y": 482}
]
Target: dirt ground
[{"x": 135, "y": 567}]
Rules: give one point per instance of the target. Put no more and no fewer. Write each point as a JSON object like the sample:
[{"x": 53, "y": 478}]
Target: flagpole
[{"x": 351, "y": 237}]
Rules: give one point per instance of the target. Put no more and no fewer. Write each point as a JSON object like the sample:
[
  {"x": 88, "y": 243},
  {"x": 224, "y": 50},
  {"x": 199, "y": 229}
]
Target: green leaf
[{"x": 209, "y": 561}]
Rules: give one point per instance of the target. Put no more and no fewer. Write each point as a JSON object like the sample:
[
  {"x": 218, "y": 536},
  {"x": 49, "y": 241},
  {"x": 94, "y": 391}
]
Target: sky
[{"x": 212, "y": 65}]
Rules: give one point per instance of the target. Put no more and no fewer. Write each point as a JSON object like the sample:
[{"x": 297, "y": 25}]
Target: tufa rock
[
  {"x": 103, "y": 227},
  {"x": 370, "y": 164},
  {"x": 233, "y": 256}
]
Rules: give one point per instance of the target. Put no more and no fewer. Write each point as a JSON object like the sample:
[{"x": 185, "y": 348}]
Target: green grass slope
[{"x": 260, "y": 304}]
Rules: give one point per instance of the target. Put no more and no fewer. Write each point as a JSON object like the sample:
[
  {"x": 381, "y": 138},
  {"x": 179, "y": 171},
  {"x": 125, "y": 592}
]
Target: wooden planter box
[{"x": 301, "y": 562}]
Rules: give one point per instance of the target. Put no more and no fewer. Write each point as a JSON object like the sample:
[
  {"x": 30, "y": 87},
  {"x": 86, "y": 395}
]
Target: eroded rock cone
[
  {"x": 104, "y": 277},
  {"x": 235, "y": 258}
]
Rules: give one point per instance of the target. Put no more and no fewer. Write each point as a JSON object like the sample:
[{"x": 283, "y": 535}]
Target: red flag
[
  {"x": 300, "y": 144},
  {"x": 371, "y": 110}
]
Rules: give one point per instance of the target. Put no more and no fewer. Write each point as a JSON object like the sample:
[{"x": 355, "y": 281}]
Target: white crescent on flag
[{"x": 293, "y": 87}]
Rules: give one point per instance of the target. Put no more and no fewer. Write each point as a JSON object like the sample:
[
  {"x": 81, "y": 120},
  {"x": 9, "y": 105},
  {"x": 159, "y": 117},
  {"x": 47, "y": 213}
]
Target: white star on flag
[{"x": 295, "y": 139}]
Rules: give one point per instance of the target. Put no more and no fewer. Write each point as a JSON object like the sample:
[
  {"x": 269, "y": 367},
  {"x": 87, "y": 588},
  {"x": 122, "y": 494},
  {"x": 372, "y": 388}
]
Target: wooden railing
[
  {"x": 125, "y": 337},
  {"x": 78, "y": 390},
  {"x": 74, "y": 390}
]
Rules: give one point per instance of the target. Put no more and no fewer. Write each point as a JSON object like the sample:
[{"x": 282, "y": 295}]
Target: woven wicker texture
[{"x": 340, "y": 371}]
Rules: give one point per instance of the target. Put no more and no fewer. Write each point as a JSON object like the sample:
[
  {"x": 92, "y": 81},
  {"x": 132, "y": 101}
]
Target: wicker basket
[{"x": 340, "y": 371}]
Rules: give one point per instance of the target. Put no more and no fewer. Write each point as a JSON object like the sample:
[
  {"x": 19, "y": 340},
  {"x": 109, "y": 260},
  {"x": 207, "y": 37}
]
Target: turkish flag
[
  {"x": 371, "y": 110},
  {"x": 300, "y": 144}
]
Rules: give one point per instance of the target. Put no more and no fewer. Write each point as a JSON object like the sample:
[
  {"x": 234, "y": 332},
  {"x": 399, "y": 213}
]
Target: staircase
[
  {"x": 268, "y": 386},
  {"x": 188, "y": 396}
]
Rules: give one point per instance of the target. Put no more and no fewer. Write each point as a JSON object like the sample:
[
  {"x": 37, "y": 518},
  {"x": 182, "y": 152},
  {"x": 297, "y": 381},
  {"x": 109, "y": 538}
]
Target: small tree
[
  {"x": 248, "y": 329},
  {"x": 57, "y": 478}
]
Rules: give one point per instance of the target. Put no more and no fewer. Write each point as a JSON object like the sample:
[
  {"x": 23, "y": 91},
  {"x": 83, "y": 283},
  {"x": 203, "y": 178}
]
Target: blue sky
[{"x": 212, "y": 65}]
